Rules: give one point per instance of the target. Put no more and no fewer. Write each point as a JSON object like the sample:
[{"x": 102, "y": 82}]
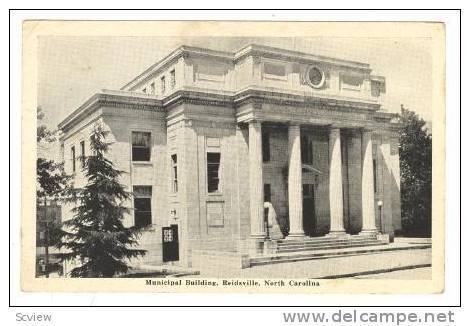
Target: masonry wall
[
  {"x": 120, "y": 122},
  {"x": 208, "y": 221},
  {"x": 154, "y": 173}
]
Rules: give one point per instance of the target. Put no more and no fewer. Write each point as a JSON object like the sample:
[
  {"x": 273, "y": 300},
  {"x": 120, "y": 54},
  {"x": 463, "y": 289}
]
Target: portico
[{"x": 295, "y": 183}]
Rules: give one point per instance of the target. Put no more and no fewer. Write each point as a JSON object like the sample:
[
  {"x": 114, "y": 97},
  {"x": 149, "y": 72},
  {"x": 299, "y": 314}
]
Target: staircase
[
  {"x": 323, "y": 243},
  {"x": 291, "y": 250}
]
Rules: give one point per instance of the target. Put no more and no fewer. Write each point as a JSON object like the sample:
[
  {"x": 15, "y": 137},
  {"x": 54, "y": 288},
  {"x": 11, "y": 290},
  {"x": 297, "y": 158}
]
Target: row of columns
[{"x": 295, "y": 183}]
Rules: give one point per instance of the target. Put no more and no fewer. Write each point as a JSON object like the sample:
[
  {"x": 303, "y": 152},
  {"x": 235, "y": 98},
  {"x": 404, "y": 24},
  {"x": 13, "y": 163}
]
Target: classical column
[
  {"x": 336, "y": 183},
  {"x": 368, "y": 213},
  {"x": 256, "y": 181},
  {"x": 295, "y": 183}
]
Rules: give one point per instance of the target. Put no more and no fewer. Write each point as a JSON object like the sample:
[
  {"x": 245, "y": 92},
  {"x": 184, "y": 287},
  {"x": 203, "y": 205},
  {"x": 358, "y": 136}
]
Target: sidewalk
[{"x": 336, "y": 267}]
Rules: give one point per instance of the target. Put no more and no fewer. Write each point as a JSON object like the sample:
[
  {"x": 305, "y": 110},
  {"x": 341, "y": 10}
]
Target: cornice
[
  {"x": 111, "y": 99},
  {"x": 264, "y": 95},
  {"x": 295, "y": 56},
  {"x": 254, "y": 97}
]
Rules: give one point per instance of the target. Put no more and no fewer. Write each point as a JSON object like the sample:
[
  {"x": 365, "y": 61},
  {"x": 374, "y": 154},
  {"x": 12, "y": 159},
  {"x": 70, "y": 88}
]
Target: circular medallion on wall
[{"x": 315, "y": 77}]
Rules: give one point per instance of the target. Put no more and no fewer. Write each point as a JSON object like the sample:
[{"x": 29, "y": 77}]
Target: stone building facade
[{"x": 241, "y": 149}]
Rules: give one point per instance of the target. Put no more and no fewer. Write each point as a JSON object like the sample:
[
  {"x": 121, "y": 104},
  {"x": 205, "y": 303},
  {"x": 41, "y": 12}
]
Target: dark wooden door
[{"x": 170, "y": 244}]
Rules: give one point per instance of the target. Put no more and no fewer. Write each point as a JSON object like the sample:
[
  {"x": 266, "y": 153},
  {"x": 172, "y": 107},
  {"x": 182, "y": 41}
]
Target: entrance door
[
  {"x": 170, "y": 245},
  {"x": 309, "y": 209}
]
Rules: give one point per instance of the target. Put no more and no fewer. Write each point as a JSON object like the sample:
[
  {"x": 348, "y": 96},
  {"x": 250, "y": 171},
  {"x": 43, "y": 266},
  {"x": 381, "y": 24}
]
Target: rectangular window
[
  {"x": 152, "y": 88},
  {"x": 306, "y": 150},
  {"x": 140, "y": 146},
  {"x": 172, "y": 79},
  {"x": 82, "y": 152},
  {"x": 162, "y": 84},
  {"x": 142, "y": 206},
  {"x": 267, "y": 192},
  {"x": 73, "y": 158},
  {"x": 266, "y": 147},
  {"x": 174, "y": 173},
  {"x": 374, "y": 167},
  {"x": 213, "y": 167}
]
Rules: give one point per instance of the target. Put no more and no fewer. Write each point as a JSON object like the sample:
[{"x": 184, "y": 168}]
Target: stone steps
[
  {"x": 287, "y": 257},
  {"x": 338, "y": 245}
]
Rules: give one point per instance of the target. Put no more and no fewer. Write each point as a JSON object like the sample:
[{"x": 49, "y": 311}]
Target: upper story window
[
  {"x": 266, "y": 147},
  {"x": 72, "y": 152},
  {"x": 162, "y": 84},
  {"x": 82, "y": 152},
  {"x": 172, "y": 79},
  {"x": 213, "y": 172},
  {"x": 142, "y": 206},
  {"x": 267, "y": 192},
  {"x": 140, "y": 146},
  {"x": 306, "y": 150},
  {"x": 174, "y": 173},
  {"x": 274, "y": 71},
  {"x": 374, "y": 167},
  {"x": 152, "y": 88}
]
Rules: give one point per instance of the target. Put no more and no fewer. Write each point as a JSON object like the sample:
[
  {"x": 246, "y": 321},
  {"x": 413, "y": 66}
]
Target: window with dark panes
[
  {"x": 172, "y": 78},
  {"x": 267, "y": 192},
  {"x": 82, "y": 152},
  {"x": 266, "y": 147},
  {"x": 213, "y": 172},
  {"x": 142, "y": 206},
  {"x": 374, "y": 167},
  {"x": 140, "y": 146},
  {"x": 306, "y": 151},
  {"x": 72, "y": 150},
  {"x": 162, "y": 84},
  {"x": 174, "y": 173}
]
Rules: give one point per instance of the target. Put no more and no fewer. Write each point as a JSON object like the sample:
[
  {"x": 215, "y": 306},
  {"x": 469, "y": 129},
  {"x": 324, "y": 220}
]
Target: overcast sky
[{"x": 71, "y": 69}]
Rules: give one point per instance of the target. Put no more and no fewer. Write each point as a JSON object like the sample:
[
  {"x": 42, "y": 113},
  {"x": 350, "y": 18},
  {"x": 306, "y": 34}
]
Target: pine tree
[{"x": 96, "y": 236}]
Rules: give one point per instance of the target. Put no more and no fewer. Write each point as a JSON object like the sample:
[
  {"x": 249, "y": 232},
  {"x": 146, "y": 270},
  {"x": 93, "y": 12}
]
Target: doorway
[{"x": 308, "y": 203}]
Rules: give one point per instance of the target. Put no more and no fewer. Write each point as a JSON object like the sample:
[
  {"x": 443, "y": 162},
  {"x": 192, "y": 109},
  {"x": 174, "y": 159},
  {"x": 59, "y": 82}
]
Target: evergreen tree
[
  {"x": 95, "y": 237},
  {"x": 416, "y": 174}
]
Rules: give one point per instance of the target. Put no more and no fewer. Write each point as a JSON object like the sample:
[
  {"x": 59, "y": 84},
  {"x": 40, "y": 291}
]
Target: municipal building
[{"x": 236, "y": 157}]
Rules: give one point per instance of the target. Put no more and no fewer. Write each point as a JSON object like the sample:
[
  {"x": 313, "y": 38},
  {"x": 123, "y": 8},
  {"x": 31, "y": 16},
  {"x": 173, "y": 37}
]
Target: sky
[{"x": 71, "y": 69}]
